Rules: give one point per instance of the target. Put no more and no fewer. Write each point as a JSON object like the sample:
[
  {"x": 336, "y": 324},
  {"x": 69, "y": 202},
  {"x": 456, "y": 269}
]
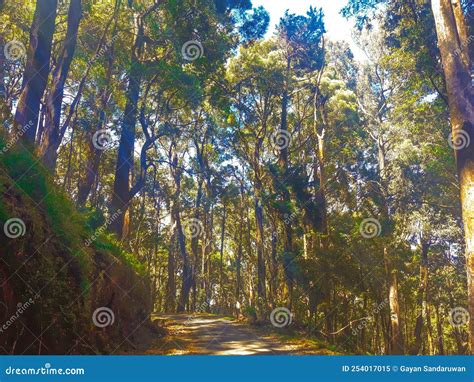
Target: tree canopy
[{"x": 174, "y": 157}]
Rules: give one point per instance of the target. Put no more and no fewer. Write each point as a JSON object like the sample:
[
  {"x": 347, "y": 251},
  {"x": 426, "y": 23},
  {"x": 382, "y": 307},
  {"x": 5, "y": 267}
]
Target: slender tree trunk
[
  {"x": 274, "y": 277},
  {"x": 439, "y": 330},
  {"x": 204, "y": 248},
  {"x": 429, "y": 327},
  {"x": 183, "y": 302},
  {"x": 52, "y": 134},
  {"x": 238, "y": 267},
  {"x": 321, "y": 195},
  {"x": 238, "y": 275},
  {"x": 250, "y": 256},
  {"x": 261, "y": 288},
  {"x": 195, "y": 242},
  {"x": 67, "y": 175},
  {"x": 37, "y": 68},
  {"x": 209, "y": 257},
  {"x": 260, "y": 235},
  {"x": 420, "y": 327},
  {"x": 221, "y": 266},
  {"x": 453, "y": 37},
  {"x": 125, "y": 158},
  {"x": 4, "y": 108},
  {"x": 170, "y": 303},
  {"x": 94, "y": 155},
  {"x": 207, "y": 249},
  {"x": 385, "y": 332},
  {"x": 170, "y": 300},
  {"x": 396, "y": 340},
  {"x": 319, "y": 130},
  {"x": 283, "y": 161}
]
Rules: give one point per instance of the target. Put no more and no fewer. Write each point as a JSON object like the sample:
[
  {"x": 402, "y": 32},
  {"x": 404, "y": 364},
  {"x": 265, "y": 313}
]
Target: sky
[{"x": 337, "y": 27}]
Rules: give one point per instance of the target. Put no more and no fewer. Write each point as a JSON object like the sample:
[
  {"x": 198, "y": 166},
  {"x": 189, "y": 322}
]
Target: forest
[{"x": 186, "y": 177}]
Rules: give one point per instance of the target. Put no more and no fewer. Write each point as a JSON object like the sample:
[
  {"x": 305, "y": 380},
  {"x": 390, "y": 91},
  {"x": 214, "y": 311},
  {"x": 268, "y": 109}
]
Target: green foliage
[
  {"x": 276, "y": 150},
  {"x": 109, "y": 244}
]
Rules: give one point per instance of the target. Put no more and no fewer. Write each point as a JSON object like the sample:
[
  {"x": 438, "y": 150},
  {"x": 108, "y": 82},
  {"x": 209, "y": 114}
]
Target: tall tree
[
  {"x": 454, "y": 45},
  {"x": 52, "y": 133},
  {"x": 303, "y": 51},
  {"x": 37, "y": 68},
  {"x": 125, "y": 159}
]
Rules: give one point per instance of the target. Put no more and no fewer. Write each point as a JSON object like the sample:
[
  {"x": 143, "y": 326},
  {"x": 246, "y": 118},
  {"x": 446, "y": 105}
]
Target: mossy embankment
[{"x": 58, "y": 266}]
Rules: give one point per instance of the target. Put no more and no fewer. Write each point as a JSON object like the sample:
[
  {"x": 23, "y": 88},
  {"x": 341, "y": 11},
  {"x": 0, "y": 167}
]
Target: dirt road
[{"x": 212, "y": 335}]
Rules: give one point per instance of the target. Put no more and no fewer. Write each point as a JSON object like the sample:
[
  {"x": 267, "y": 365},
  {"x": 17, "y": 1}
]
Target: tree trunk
[
  {"x": 260, "y": 234},
  {"x": 195, "y": 242},
  {"x": 170, "y": 298},
  {"x": 421, "y": 325},
  {"x": 439, "y": 330},
  {"x": 4, "y": 109},
  {"x": 207, "y": 249},
  {"x": 429, "y": 331},
  {"x": 261, "y": 288},
  {"x": 288, "y": 256},
  {"x": 274, "y": 272},
  {"x": 52, "y": 134},
  {"x": 386, "y": 332},
  {"x": 238, "y": 276},
  {"x": 204, "y": 249},
  {"x": 221, "y": 266},
  {"x": 37, "y": 68},
  {"x": 452, "y": 37},
  {"x": 125, "y": 158},
  {"x": 94, "y": 155},
  {"x": 391, "y": 273},
  {"x": 396, "y": 340},
  {"x": 319, "y": 131},
  {"x": 170, "y": 301},
  {"x": 183, "y": 302},
  {"x": 249, "y": 255},
  {"x": 238, "y": 267}
]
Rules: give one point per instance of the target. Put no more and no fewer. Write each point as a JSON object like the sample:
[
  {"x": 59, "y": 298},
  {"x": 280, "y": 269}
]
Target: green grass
[
  {"x": 109, "y": 243},
  {"x": 21, "y": 171}
]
